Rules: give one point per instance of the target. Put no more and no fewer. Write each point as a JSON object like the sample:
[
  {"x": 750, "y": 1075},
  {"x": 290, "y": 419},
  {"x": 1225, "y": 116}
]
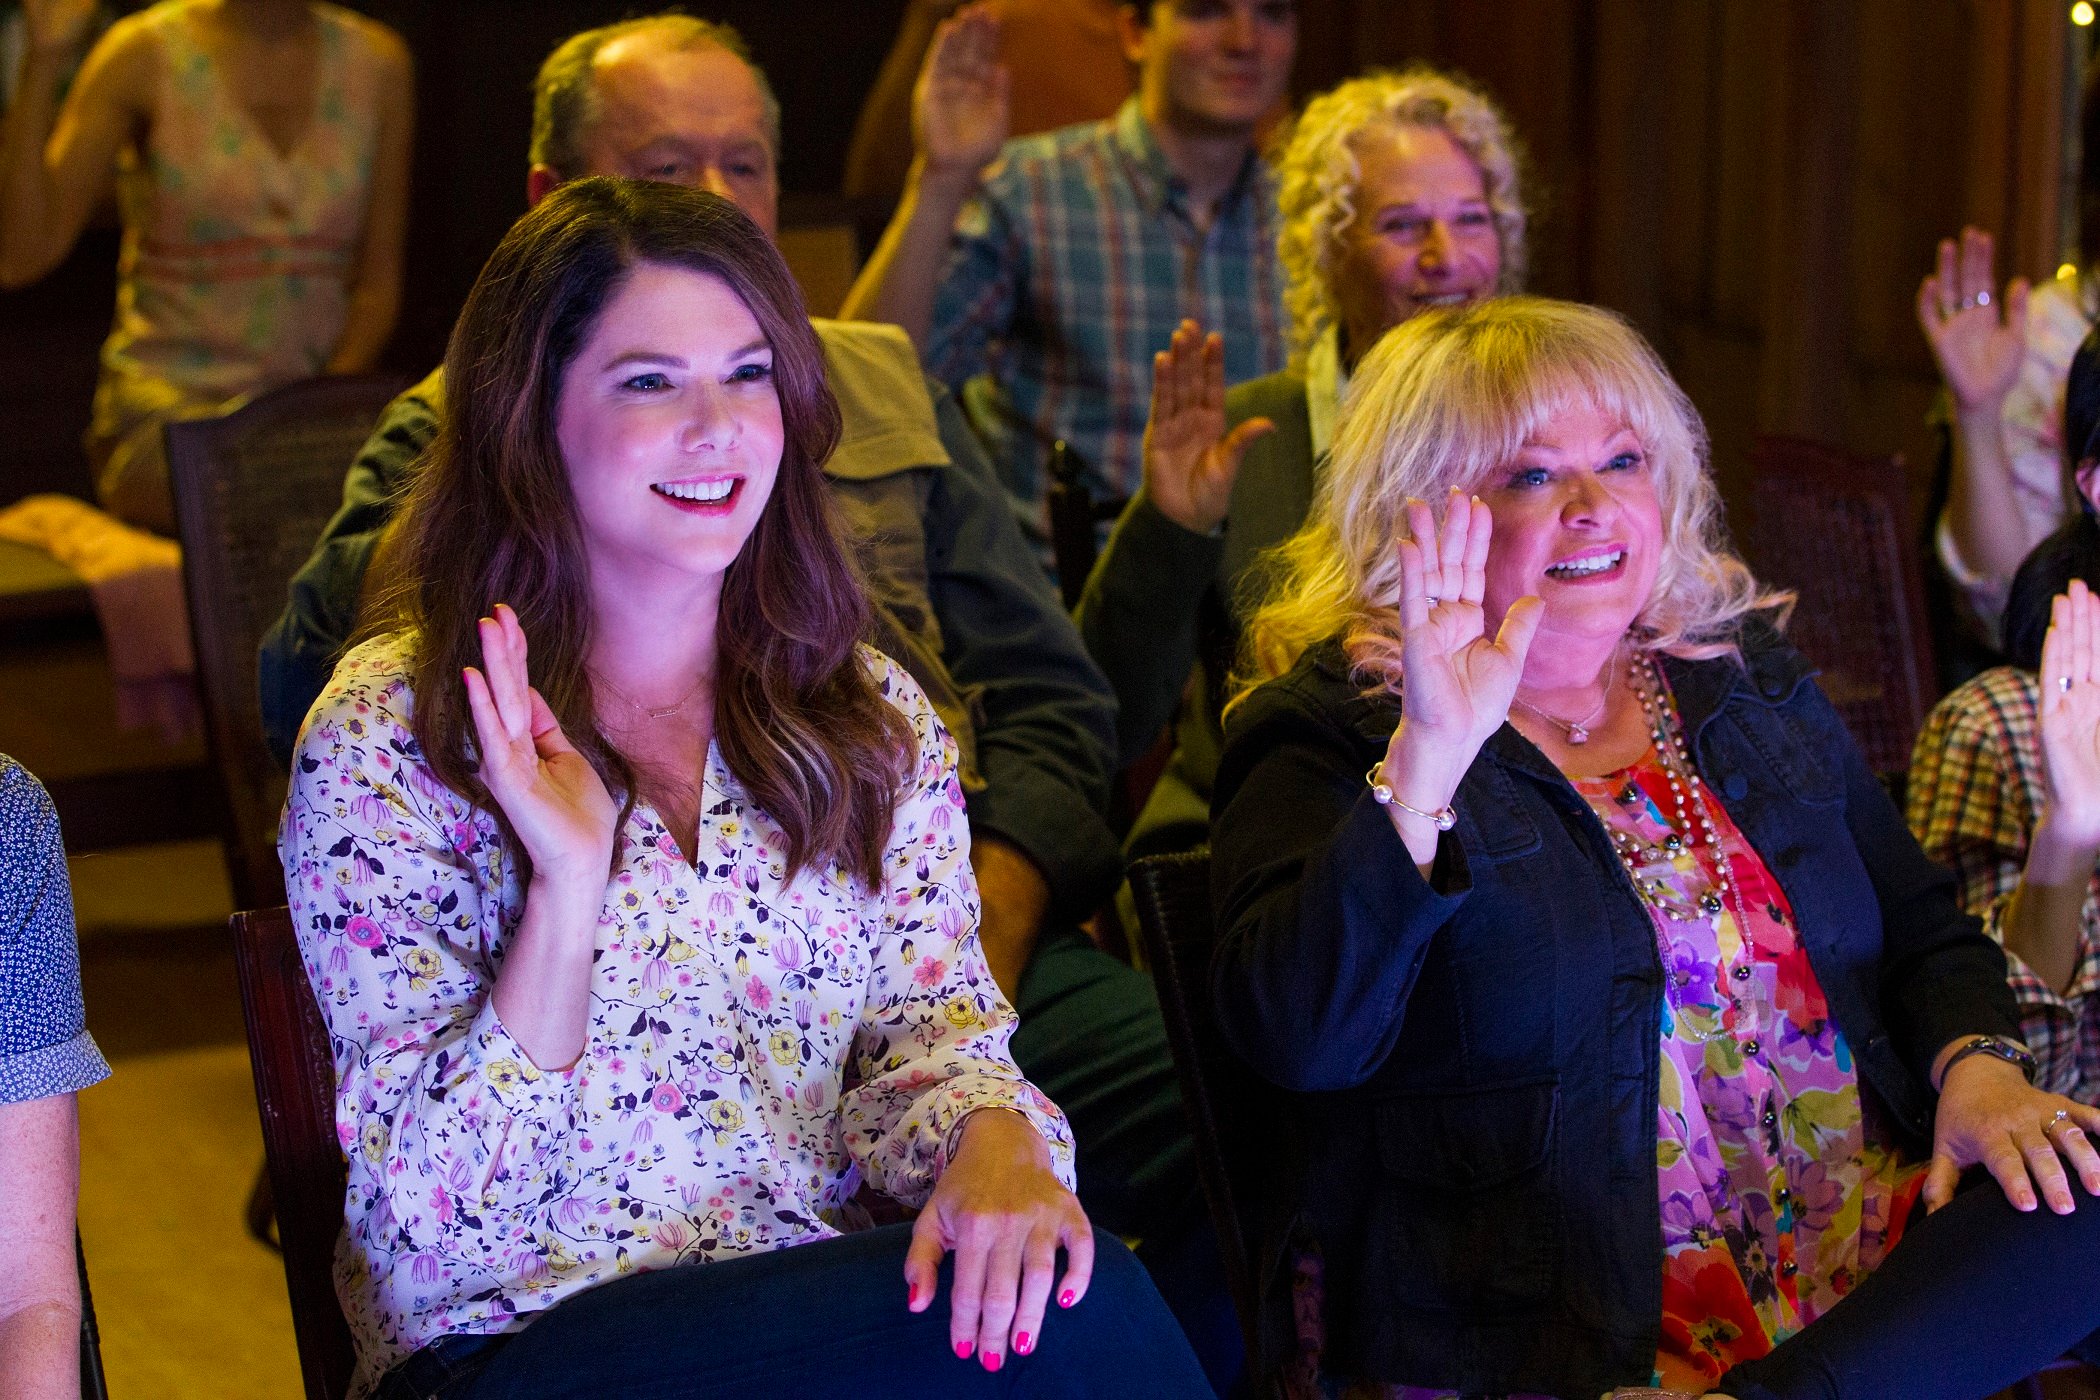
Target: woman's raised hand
[
  {"x": 959, "y": 109},
  {"x": 1456, "y": 682},
  {"x": 2070, "y": 705},
  {"x": 1190, "y": 461},
  {"x": 58, "y": 26},
  {"x": 1978, "y": 348},
  {"x": 552, "y": 797}
]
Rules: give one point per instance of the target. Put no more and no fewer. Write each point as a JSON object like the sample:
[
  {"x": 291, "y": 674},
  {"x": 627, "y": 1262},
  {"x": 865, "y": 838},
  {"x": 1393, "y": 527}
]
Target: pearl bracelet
[{"x": 1382, "y": 793}]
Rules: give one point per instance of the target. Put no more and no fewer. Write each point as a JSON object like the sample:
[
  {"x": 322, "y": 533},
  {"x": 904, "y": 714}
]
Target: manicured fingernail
[
  {"x": 963, "y": 1349},
  {"x": 1067, "y": 1298},
  {"x": 1023, "y": 1343},
  {"x": 911, "y": 1297},
  {"x": 992, "y": 1360}
]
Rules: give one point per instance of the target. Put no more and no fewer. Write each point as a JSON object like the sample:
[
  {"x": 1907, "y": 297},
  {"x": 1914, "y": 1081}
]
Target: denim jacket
[{"x": 1471, "y": 1061}]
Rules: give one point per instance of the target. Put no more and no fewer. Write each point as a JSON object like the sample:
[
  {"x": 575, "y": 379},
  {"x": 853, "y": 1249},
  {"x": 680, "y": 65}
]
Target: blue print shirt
[{"x": 45, "y": 1048}]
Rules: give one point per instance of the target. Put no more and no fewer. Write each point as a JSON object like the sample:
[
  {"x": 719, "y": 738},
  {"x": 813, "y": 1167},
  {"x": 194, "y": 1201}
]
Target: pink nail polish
[
  {"x": 1023, "y": 1343},
  {"x": 963, "y": 1349},
  {"x": 911, "y": 1296},
  {"x": 993, "y": 1361},
  {"x": 1067, "y": 1298}
]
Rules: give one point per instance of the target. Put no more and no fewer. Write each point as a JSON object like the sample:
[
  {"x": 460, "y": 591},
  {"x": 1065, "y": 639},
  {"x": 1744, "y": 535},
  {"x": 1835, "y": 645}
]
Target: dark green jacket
[
  {"x": 959, "y": 594},
  {"x": 1162, "y": 610}
]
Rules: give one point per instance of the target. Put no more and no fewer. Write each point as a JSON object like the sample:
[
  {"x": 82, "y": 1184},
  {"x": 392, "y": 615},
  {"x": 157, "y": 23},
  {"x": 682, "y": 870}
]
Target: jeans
[
  {"x": 1972, "y": 1298},
  {"x": 816, "y": 1320}
]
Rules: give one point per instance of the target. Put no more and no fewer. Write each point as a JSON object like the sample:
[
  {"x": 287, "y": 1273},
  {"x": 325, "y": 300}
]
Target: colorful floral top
[
  {"x": 1977, "y": 788},
  {"x": 1778, "y": 1191},
  {"x": 755, "y": 1047}
]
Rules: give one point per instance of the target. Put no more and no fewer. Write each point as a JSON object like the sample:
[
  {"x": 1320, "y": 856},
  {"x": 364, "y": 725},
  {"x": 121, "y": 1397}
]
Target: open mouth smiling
[
  {"x": 707, "y": 495},
  {"x": 1587, "y": 566}
]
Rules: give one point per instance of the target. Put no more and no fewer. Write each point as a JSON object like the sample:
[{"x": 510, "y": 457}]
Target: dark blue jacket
[{"x": 1472, "y": 1059}]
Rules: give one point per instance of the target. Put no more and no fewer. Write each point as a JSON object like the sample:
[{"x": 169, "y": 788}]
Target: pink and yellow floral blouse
[
  {"x": 755, "y": 1048},
  {"x": 1778, "y": 1192}
]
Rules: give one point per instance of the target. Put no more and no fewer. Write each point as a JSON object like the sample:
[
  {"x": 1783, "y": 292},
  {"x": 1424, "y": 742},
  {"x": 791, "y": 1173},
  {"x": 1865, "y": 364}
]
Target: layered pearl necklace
[{"x": 1691, "y": 825}]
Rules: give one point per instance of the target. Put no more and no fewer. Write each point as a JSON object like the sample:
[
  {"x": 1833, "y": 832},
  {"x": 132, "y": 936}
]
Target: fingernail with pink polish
[
  {"x": 1067, "y": 1298},
  {"x": 1023, "y": 1343},
  {"x": 963, "y": 1349},
  {"x": 993, "y": 1360}
]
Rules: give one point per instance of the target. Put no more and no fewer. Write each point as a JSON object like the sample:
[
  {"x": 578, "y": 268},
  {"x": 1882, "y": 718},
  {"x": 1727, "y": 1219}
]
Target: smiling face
[
  {"x": 1214, "y": 67},
  {"x": 1578, "y": 522},
  {"x": 691, "y": 116},
  {"x": 670, "y": 427},
  {"x": 1423, "y": 235}
]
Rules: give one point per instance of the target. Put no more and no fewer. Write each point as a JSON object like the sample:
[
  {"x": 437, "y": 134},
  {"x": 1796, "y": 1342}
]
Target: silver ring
[
  {"x": 1965, "y": 303},
  {"x": 2063, "y": 683},
  {"x": 2057, "y": 1117},
  {"x": 1983, "y": 298}
]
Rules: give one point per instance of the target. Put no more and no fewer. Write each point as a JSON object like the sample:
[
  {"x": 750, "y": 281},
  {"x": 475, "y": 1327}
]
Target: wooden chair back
[
  {"x": 1172, "y": 893},
  {"x": 1834, "y": 527},
  {"x": 1075, "y": 522},
  {"x": 252, "y": 490},
  {"x": 294, "y": 1070}
]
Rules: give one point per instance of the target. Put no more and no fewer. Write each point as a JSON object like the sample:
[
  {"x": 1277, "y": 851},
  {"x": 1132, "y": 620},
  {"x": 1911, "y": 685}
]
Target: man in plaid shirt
[
  {"x": 1978, "y": 794},
  {"x": 1053, "y": 277}
]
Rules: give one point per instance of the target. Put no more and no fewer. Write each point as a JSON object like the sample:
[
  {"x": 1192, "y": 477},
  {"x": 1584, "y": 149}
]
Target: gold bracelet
[{"x": 1382, "y": 793}]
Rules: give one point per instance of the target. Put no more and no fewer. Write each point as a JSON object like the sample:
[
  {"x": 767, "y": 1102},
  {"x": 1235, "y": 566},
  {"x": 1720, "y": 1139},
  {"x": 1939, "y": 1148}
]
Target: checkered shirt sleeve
[{"x": 1976, "y": 787}]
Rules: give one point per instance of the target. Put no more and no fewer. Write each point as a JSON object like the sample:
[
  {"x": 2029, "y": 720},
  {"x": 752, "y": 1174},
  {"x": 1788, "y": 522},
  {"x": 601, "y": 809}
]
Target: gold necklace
[{"x": 652, "y": 711}]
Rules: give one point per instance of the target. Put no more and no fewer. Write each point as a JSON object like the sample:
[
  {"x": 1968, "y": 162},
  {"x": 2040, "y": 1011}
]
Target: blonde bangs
[{"x": 1449, "y": 398}]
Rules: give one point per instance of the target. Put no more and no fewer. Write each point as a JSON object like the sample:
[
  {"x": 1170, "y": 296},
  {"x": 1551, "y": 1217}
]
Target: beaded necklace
[{"x": 1691, "y": 825}]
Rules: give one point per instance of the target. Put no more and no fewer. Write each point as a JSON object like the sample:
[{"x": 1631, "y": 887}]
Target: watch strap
[{"x": 1998, "y": 1047}]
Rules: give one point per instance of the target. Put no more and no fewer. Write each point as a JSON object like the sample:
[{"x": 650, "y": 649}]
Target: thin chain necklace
[
  {"x": 1690, "y": 823},
  {"x": 1577, "y": 730},
  {"x": 652, "y": 711}
]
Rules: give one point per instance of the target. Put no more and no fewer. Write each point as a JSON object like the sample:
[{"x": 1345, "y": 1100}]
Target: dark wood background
[{"x": 1758, "y": 186}]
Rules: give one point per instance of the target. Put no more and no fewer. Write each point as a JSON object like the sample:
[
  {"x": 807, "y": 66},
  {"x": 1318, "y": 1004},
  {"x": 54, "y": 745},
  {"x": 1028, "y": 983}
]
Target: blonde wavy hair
[
  {"x": 1318, "y": 171},
  {"x": 1447, "y": 398}
]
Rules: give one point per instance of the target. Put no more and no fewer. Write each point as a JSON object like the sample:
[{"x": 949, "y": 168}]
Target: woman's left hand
[
  {"x": 1990, "y": 1114},
  {"x": 1004, "y": 1213}
]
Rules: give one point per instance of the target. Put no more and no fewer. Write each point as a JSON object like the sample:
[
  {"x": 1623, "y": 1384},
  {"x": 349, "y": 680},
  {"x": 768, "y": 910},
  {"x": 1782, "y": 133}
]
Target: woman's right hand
[
  {"x": 552, "y": 797},
  {"x": 1978, "y": 349},
  {"x": 2070, "y": 715},
  {"x": 1456, "y": 683},
  {"x": 58, "y": 26},
  {"x": 1190, "y": 461}
]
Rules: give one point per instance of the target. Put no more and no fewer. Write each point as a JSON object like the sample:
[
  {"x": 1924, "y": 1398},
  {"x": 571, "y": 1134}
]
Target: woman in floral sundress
[
  {"x": 1626, "y": 1026},
  {"x": 259, "y": 152},
  {"x": 644, "y": 945}
]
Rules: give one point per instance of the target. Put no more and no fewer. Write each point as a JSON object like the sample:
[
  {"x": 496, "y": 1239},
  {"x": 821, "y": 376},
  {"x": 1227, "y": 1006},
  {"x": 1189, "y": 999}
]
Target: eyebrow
[{"x": 654, "y": 357}]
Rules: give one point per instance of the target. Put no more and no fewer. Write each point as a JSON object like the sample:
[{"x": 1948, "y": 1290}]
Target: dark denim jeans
[
  {"x": 1973, "y": 1298},
  {"x": 825, "y": 1319}
]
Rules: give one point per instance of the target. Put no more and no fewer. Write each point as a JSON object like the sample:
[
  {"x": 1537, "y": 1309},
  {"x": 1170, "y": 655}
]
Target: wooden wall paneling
[{"x": 1806, "y": 264}]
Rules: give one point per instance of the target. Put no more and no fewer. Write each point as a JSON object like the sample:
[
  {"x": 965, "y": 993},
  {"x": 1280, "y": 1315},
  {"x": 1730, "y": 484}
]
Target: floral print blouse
[
  {"x": 756, "y": 1047},
  {"x": 1778, "y": 1191}
]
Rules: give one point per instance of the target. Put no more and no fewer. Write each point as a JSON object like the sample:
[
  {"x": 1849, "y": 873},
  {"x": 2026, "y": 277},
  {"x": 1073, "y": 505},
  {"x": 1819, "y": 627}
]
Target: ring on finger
[
  {"x": 2055, "y": 1118},
  {"x": 2063, "y": 683}
]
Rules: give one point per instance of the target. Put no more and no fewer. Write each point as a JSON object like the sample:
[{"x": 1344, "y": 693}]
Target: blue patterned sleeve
[{"x": 45, "y": 1048}]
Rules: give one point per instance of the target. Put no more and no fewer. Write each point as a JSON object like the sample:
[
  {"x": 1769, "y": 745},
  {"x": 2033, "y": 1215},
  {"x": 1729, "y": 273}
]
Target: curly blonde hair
[
  {"x": 1318, "y": 171},
  {"x": 1445, "y": 399}
]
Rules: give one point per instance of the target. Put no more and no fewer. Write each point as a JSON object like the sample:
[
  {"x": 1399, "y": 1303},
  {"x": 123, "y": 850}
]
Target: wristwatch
[{"x": 1997, "y": 1046}]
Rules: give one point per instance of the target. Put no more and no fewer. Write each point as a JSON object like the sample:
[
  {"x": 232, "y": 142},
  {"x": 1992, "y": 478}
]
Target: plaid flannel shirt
[
  {"x": 1976, "y": 786},
  {"x": 1070, "y": 268}
]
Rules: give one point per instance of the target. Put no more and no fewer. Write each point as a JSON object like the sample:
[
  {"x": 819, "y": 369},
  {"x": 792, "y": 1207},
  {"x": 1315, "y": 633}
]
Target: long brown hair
[{"x": 798, "y": 719}]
